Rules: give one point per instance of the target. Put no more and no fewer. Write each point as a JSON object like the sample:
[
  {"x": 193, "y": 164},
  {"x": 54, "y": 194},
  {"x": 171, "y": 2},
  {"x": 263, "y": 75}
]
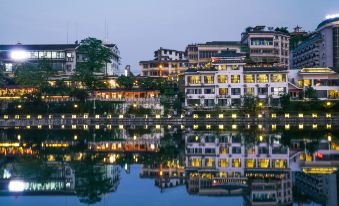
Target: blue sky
[{"x": 141, "y": 26}]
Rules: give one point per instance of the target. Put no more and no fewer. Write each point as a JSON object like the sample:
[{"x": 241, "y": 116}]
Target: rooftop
[
  {"x": 265, "y": 69},
  {"x": 319, "y": 70},
  {"x": 193, "y": 70},
  {"x": 222, "y": 43},
  {"x": 229, "y": 54},
  {"x": 42, "y": 46},
  {"x": 327, "y": 21}
]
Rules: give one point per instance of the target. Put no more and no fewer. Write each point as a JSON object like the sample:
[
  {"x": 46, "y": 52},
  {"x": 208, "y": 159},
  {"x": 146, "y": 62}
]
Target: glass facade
[
  {"x": 336, "y": 46},
  {"x": 222, "y": 78}
]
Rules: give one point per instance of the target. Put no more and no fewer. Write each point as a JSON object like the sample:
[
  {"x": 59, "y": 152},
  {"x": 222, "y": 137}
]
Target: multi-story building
[
  {"x": 229, "y": 81},
  {"x": 200, "y": 54},
  {"x": 166, "y": 63},
  {"x": 320, "y": 48},
  {"x": 266, "y": 46},
  {"x": 324, "y": 80},
  {"x": 63, "y": 57},
  {"x": 226, "y": 164}
]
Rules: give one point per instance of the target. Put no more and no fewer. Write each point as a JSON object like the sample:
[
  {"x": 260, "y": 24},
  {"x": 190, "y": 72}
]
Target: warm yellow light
[
  {"x": 274, "y": 126},
  {"x": 328, "y": 126},
  {"x": 169, "y": 126},
  {"x": 19, "y": 136},
  {"x": 234, "y": 126},
  {"x": 85, "y": 116},
  {"x": 259, "y": 115},
  {"x": 5, "y": 116},
  {"x": 146, "y": 116},
  {"x": 75, "y": 137},
  {"x": 182, "y": 116},
  {"x": 314, "y": 115},
  {"x": 62, "y": 126},
  {"x": 259, "y": 126},
  {"x": 287, "y": 115},
  {"x": 208, "y": 126},
  {"x": 121, "y": 116},
  {"x": 329, "y": 138},
  {"x": 74, "y": 126},
  {"x": 157, "y": 126},
  {"x": 195, "y": 126},
  {"x": 221, "y": 116},
  {"x": 75, "y": 106},
  {"x": 28, "y": 116},
  {"x": 134, "y": 105},
  {"x": 328, "y": 104},
  {"x": 109, "y": 126},
  {"x": 261, "y": 138},
  {"x": 121, "y": 126},
  {"x": 221, "y": 126},
  {"x": 328, "y": 115},
  {"x": 157, "y": 116},
  {"x": 301, "y": 126},
  {"x": 195, "y": 116},
  {"x": 260, "y": 104},
  {"x": 300, "y": 115},
  {"x": 97, "y": 116},
  {"x": 208, "y": 116},
  {"x": 19, "y": 106},
  {"x": 182, "y": 126},
  {"x": 234, "y": 116},
  {"x": 97, "y": 126},
  {"x": 74, "y": 116},
  {"x": 274, "y": 115},
  {"x": 314, "y": 126},
  {"x": 287, "y": 126},
  {"x": 39, "y": 116}
]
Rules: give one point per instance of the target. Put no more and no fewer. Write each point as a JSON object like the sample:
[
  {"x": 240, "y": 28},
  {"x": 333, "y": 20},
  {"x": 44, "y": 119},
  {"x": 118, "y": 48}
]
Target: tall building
[
  {"x": 228, "y": 81},
  {"x": 267, "y": 46},
  {"x": 166, "y": 63},
  {"x": 200, "y": 54},
  {"x": 320, "y": 48},
  {"x": 63, "y": 57}
]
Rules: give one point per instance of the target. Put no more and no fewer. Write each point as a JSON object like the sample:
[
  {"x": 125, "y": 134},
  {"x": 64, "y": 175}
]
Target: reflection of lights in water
[
  {"x": 16, "y": 186},
  {"x": 112, "y": 159},
  {"x": 329, "y": 138},
  {"x": 152, "y": 146},
  {"x": 126, "y": 166},
  {"x": 7, "y": 174}
]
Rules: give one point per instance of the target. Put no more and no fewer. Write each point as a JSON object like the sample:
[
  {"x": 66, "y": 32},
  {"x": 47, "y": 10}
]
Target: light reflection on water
[{"x": 199, "y": 165}]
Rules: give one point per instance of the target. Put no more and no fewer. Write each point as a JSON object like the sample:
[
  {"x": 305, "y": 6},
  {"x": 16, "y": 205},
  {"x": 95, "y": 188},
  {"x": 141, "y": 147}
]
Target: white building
[
  {"x": 267, "y": 46},
  {"x": 228, "y": 82},
  {"x": 63, "y": 57},
  {"x": 324, "y": 80}
]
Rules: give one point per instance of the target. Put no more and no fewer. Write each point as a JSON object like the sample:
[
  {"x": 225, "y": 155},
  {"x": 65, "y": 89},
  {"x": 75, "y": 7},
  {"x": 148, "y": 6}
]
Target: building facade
[
  {"x": 200, "y": 54},
  {"x": 266, "y": 46},
  {"x": 63, "y": 57},
  {"x": 320, "y": 48},
  {"x": 166, "y": 63},
  {"x": 229, "y": 81}
]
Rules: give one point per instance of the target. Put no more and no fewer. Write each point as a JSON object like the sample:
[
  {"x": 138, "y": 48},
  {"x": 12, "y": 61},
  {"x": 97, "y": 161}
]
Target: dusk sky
[{"x": 139, "y": 27}]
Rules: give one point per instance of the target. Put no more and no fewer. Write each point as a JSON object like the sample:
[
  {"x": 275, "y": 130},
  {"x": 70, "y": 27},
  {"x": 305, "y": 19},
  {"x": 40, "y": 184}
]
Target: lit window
[
  {"x": 278, "y": 77},
  {"x": 194, "y": 80},
  {"x": 209, "y": 79},
  {"x": 235, "y": 78},
  {"x": 262, "y": 78},
  {"x": 249, "y": 78},
  {"x": 222, "y": 78},
  {"x": 223, "y": 91}
]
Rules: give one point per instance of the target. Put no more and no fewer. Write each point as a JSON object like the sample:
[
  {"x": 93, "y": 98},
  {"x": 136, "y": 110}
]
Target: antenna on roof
[
  {"x": 106, "y": 32},
  {"x": 67, "y": 32}
]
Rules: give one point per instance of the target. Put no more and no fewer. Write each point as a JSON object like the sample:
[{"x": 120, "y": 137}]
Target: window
[
  {"x": 235, "y": 67},
  {"x": 209, "y": 91},
  {"x": 222, "y": 67},
  {"x": 278, "y": 90},
  {"x": 262, "y": 91},
  {"x": 235, "y": 78},
  {"x": 235, "y": 91},
  {"x": 307, "y": 83},
  {"x": 249, "y": 91},
  {"x": 262, "y": 78},
  {"x": 223, "y": 162},
  {"x": 222, "y": 78},
  {"x": 194, "y": 80},
  {"x": 249, "y": 78},
  {"x": 262, "y": 41},
  {"x": 193, "y": 91},
  {"x": 209, "y": 79},
  {"x": 223, "y": 91},
  {"x": 278, "y": 77},
  {"x": 236, "y": 163}
]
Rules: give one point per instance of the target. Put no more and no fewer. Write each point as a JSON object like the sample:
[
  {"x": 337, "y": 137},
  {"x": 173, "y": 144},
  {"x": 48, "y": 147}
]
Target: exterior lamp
[
  {"x": 328, "y": 104},
  {"x": 19, "y": 106},
  {"x": 75, "y": 137},
  {"x": 19, "y": 55},
  {"x": 75, "y": 106},
  {"x": 329, "y": 138}
]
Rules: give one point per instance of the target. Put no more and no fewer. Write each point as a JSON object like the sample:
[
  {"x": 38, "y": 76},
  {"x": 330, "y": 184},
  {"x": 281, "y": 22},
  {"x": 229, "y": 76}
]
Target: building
[
  {"x": 166, "y": 63},
  {"x": 229, "y": 81},
  {"x": 227, "y": 164},
  {"x": 266, "y": 46},
  {"x": 200, "y": 54},
  {"x": 320, "y": 48},
  {"x": 323, "y": 79},
  {"x": 63, "y": 57}
]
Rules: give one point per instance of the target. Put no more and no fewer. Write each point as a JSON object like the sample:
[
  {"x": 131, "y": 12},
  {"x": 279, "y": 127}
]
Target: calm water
[{"x": 163, "y": 165}]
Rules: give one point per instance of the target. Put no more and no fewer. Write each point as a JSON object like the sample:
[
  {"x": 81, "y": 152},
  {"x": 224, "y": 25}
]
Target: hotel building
[
  {"x": 166, "y": 63},
  {"x": 63, "y": 57},
  {"x": 320, "y": 49},
  {"x": 266, "y": 46},
  {"x": 200, "y": 54},
  {"x": 229, "y": 81}
]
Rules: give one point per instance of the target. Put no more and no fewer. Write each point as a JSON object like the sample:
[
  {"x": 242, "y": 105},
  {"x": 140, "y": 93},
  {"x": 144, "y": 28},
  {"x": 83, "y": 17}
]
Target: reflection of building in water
[
  {"x": 141, "y": 143},
  {"x": 320, "y": 188},
  {"x": 61, "y": 181},
  {"x": 170, "y": 174},
  {"x": 228, "y": 164}
]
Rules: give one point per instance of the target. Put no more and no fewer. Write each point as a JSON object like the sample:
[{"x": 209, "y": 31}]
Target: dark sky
[{"x": 141, "y": 26}]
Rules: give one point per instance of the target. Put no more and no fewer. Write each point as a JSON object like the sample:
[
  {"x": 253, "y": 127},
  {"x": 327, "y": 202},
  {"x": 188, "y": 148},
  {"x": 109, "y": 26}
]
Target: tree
[
  {"x": 93, "y": 57},
  {"x": 311, "y": 93},
  {"x": 30, "y": 74},
  {"x": 2, "y": 77},
  {"x": 285, "y": 100},
  {"x": 249, "y": 104},
  {"x": 282, "y": 30},
  {"x": 125, "y": 82}
]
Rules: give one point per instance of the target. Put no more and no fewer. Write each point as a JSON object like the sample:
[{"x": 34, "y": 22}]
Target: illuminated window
[
  {"x": 278, "y": 77},
  {"x": 279, "y": 164},
  {"x": 262, "y": 78},
  {"x": 223, "y": 162},
  {"x": 249, "y": 91},
  {"x": 209, "y": 79},
  {"x": 307, "y": 83},
  {"x": 236, "y": 163},
  {"x": 194, "y": 80},
  {"x": 196, "y": 162},
  {"x": 235, "y": 67},
  {"x": 222, "y": 78},
  {"x": 223, "y": 91},
  {"x": 209, "y": 162},
  {"x": 249, "y": 78},
  {"x": 222, "y": 67},
  {"x": 250, "y": 163},
  {"x": 235, "y": 78},
  {"x": 264, "y": 163}
]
